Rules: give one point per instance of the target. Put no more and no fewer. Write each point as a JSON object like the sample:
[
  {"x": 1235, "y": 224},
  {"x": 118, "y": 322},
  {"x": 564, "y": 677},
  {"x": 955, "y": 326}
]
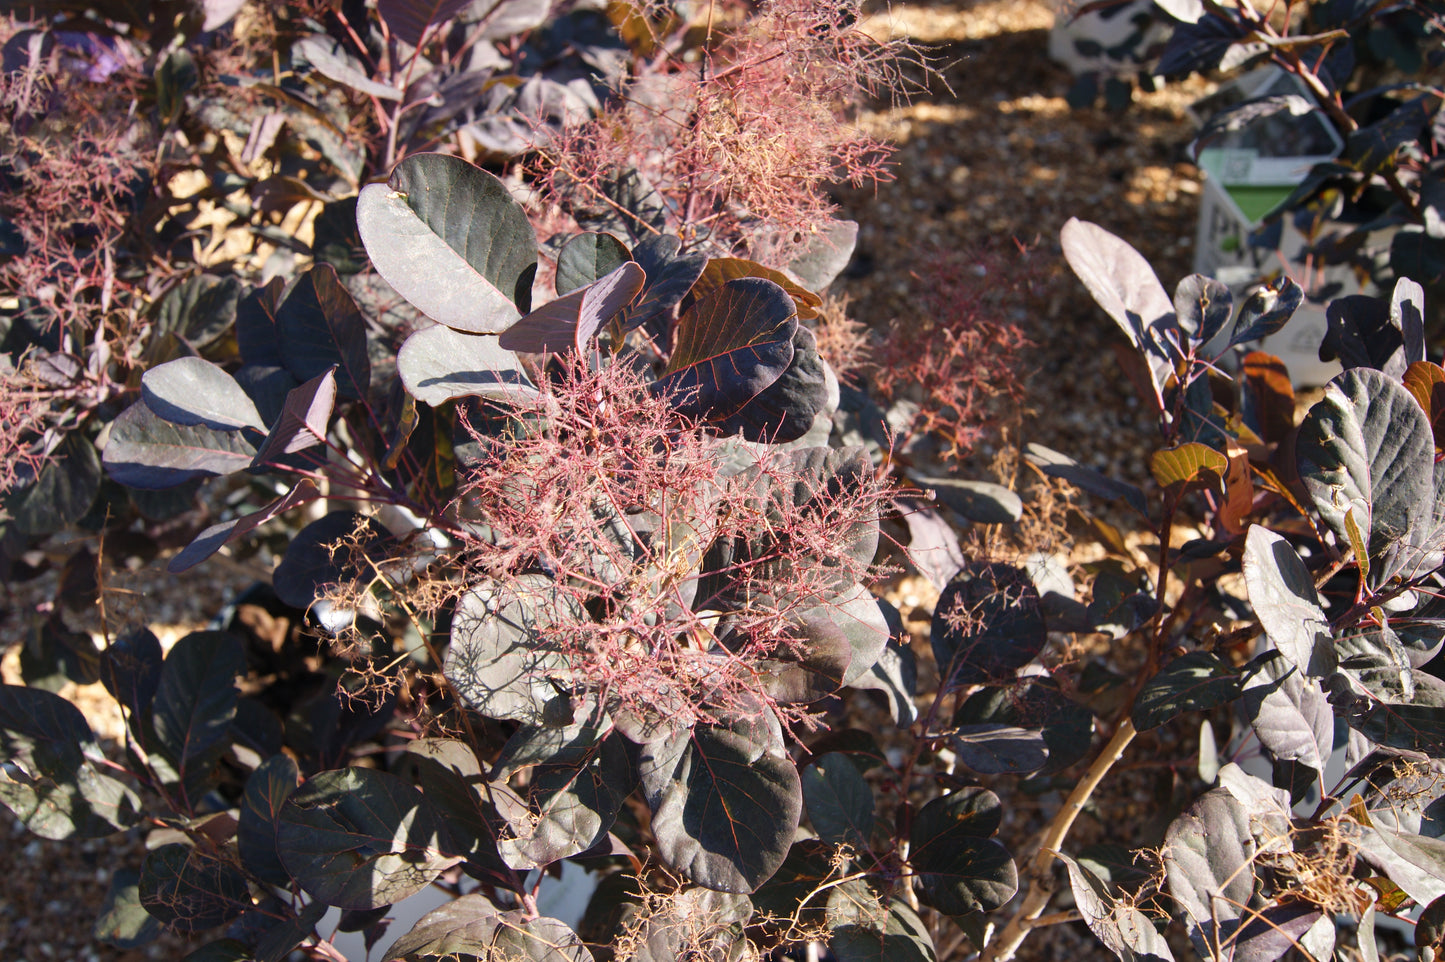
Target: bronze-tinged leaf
[
  {"x": 720, "y": 270},
  {"x": 1239, "y": 490},
  {"x": 1187, "y": 464},
  {"x": 1270, "y": 397},
  {"x": 1426, "y": 381}
]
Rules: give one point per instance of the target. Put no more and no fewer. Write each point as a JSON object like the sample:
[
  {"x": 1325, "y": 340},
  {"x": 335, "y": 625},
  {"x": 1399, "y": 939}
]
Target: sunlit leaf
[{"x": 452, "y": 241}]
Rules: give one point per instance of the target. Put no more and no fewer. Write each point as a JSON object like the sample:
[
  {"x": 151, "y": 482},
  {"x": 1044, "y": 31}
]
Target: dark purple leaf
[
  {"x": 987, "y": 625},
  {"x": 328, "y": 552},
  {"x": 130, "y": 669},
  {"x": 1195, "y": 681},
  {"x": 303, "y": 419},
  {"x": 994, "y": 749},
  {"x": 588, "y": 257},
  {"x": 1366, "y": 451},
  {"x": 190, "y": 391},
  {"x": 146, "y": 451},
  {"x": 839, "y": 801},
  {"x": 933, "y": 546},
  {"x": 209, "y": 541},
  {"x": 472, "y": 927},
  {"x": 191, "y": 890},
  {"x": 358, "y": 838},
  {"x": 1360, "y": 334},
  {"x": 787, "y": 409},
  {"x": 1202, "y": 306},
  {"x": 960, "y": 868},
  {"x": 1266, "y": 311},
  {"x": 1199, "y": 46},
  {"x": 452, "y": 241},
  {"x": 321, "y": 327},
  {"x": 571, "y": 321},
  {"x": 266, "y": 791},
  {"x": 730, "y": 347},
  {"x": 332, "y": 60},
  {"x": 1282, "y": 591},
  {"x": 411, "y": 19},
  {"x": 438, "y": 364},
  {"x": 195, "y": 704},
  {"x": 1059, "y": 465},
  {"x": 725, "y": 801}
]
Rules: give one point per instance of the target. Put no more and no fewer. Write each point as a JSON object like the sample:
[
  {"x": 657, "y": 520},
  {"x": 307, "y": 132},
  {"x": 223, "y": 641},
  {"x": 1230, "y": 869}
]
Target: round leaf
[
  {"x": 499, "y": 660},
  {"x": 987, "y": 625},
  {"x": 191, "y": 890},
  {"x": 359, "y": 838},
  {"x": 725, "y": 802},
  {"x": 438, "y": 364},
  {"x": 587, "y": 257},
  {"x": 190, "y": 391},
  {"x": 452, "y": 241},
  {"x": 840, "y": 802}
]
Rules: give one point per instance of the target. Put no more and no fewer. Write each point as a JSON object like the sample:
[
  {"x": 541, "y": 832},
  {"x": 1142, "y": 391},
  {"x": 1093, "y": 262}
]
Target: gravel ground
[{"x": 1000, "y": 158}]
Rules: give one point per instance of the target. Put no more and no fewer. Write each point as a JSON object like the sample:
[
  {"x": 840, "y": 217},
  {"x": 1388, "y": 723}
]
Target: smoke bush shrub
[{"x": 598, "y": 570}]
